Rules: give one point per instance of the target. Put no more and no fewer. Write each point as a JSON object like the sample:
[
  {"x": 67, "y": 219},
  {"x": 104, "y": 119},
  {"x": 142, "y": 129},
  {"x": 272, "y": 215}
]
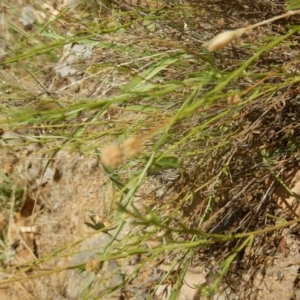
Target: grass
[{"x": 148, "y": 77}]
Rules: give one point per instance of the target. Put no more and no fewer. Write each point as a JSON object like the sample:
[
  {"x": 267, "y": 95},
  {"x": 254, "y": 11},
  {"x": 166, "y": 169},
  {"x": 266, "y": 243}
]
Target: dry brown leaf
[{"x": 282, "y": 246}]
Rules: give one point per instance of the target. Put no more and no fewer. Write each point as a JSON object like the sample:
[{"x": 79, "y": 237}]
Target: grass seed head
[
  {"x": 92, "y": 265},
  {"x": 112, "y": 156},
  {"x": 223, "y": 39},
  {"x": 8, "y": 169},
  {"x": 132, "y": 146},
  {"x": 234, "y": 99}
]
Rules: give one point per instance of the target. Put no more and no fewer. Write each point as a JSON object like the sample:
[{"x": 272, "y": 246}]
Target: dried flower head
[
  {"x": 112, "y": 156},
  {"x": 92, "y": 265},
  {"x": 223, "y": 39},
  {"x": 234, "y": 99},
  {"x": 8, "y": 169},
  {"x": 132, "y": 146}
]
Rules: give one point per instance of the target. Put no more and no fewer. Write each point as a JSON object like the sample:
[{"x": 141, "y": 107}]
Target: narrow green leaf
[
  {"x": 97, "y": 226},
  {"x": 293, "y": 4},
  {"x": 115, "y": 178},
  {"x": 167, "y": 162},
  {"x": 149, "y": 73}
]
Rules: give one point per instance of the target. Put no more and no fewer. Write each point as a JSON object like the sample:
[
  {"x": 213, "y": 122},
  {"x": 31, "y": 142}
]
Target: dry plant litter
[{"x": 135, "y": 163}]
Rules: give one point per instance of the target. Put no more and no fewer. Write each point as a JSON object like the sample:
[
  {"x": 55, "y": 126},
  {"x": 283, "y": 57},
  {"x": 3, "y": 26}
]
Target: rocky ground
[{"x": 55, "y": 193}]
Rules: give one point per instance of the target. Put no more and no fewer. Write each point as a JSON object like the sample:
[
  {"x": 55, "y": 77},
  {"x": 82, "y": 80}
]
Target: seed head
[
  {"x": 112, "y": 156},
  {"x": 8, "y": 169},
  {"x": 231, "y": 100},
  {"x": 132, "y": 146},
  {"x": 92, "y": 265},
  {"x": 223, "y": 39}
]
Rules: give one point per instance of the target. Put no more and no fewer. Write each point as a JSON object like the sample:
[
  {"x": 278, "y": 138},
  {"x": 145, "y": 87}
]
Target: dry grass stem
[
  {"x": 225, "y": 38},
  {"x": 202, "y": 173}
]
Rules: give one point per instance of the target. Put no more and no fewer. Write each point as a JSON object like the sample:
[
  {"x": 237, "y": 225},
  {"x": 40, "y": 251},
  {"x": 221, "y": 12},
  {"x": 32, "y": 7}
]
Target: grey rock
[{"x": 108, "y": 278}]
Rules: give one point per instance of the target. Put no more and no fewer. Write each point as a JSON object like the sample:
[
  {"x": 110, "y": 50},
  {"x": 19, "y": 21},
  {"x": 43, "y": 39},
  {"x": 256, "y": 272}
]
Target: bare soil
[{"x": 54, "y": 203}]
